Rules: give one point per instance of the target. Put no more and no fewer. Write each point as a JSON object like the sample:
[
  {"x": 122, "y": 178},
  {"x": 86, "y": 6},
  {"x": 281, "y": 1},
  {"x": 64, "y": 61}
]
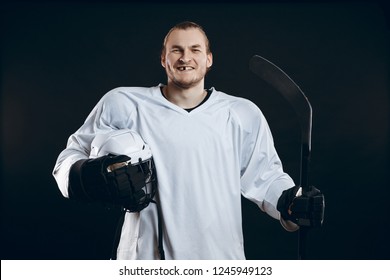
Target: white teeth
[{"x": 183, "y": 68}]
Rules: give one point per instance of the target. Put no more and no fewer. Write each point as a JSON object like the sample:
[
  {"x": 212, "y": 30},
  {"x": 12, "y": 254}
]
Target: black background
[{"x": 58, "y": 59}]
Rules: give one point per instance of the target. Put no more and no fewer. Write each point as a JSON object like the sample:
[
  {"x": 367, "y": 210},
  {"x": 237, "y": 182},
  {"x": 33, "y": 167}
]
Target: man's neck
[{"x": 185, "y": 98}]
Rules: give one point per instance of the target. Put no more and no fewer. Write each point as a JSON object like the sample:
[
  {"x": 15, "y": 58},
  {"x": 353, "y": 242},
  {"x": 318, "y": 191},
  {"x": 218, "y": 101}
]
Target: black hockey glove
[
  {"x": 93, "y": 180},
  {"x": 305, "y": 210}
]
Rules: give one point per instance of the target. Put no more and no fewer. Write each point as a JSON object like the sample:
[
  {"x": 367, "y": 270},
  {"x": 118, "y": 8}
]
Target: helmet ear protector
[{"x": 135, "y": 178}]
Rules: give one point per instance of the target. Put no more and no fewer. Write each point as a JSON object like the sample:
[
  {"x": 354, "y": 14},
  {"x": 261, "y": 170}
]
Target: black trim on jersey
[{"x": 209, "y": 91}]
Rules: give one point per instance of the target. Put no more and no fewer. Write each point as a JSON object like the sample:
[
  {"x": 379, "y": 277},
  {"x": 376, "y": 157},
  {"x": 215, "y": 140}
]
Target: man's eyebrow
[
  {"x": 181, "y": 47},
  {"x": 176, "y": 47},
  {"x": 196, "y": 46}
]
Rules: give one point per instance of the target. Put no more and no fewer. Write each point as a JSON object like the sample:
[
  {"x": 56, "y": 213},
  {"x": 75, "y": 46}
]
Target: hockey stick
[{"x": 279, "y": 80}]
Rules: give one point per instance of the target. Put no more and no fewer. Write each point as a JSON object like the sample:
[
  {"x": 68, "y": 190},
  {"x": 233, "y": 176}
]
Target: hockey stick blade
[{"x": 278, "y": 79}]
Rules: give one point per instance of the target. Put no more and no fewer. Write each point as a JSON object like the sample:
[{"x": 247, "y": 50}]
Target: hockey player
[{"x": 209, "y": 148}]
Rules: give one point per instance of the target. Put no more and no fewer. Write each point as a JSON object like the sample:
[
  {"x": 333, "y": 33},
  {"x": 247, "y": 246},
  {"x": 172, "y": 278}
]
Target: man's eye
[
  {"x": 175, "y": 50},
  {"x": 196, "y": 50}
]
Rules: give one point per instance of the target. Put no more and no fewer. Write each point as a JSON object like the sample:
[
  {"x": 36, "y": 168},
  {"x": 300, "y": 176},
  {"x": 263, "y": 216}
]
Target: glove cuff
[{"x": 75, "y": 187}]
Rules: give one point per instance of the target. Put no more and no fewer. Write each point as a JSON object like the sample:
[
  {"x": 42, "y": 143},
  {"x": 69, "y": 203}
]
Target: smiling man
[
  {"x": 208, "y": 147},
  {"x": 186, "y": 57}
]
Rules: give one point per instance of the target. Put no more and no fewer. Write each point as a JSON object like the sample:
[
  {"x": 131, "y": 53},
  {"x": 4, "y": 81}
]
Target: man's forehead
[{"x": 187, "y": 37}]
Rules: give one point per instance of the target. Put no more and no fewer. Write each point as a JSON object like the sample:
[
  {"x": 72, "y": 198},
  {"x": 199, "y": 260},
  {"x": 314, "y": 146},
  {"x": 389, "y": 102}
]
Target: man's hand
[
  {"x": 89, "y": 181},
  {"x": 305, "y": 209},
  {"x": 111, "y": 180}
]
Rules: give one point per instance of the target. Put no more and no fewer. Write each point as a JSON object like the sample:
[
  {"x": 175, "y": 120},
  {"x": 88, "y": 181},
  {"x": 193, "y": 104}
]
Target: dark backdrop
[{"x": 58, "y": 59}]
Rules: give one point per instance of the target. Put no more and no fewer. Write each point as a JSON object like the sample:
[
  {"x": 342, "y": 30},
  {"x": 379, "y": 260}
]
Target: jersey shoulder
[
  {"x": 131, "y": 92},
  {"x": 121, "y": 96},
  {"x": 245, "y": 110}
]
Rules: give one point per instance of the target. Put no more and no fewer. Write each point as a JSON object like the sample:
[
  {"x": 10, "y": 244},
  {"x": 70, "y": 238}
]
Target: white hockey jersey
[{"x": 205, "y": 160}]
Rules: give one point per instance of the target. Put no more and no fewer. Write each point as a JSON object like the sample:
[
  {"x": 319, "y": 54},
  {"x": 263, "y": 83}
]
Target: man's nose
[{"x": 186, "y": 57}]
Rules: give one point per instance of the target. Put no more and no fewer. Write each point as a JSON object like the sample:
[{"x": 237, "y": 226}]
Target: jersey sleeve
[
  {"x": 262, "y": 177},
  {"x": 113, "y": 111}
]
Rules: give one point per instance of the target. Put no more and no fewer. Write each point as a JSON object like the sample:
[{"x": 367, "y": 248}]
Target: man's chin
[{"x": 186, "y": 84}]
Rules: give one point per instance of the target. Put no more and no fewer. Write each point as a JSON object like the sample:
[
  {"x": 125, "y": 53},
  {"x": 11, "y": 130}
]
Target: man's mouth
[{"x": 185, "y": 68}]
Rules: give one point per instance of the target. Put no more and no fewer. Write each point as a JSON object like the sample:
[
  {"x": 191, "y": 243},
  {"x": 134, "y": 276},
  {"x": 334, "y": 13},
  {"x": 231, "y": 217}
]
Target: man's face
[{"x": 186, "y": 59}]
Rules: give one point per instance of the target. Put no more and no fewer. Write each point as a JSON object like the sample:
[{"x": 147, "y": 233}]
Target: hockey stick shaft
[{"x": 278, "y": 79}]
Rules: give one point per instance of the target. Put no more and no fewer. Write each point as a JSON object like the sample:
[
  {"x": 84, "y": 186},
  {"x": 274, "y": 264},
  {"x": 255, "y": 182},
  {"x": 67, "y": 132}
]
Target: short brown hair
[{"x": 184, "y": 26}]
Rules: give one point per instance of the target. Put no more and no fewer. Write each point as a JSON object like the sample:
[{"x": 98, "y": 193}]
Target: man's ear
[
  {"x": 162, "y": 60},
  {"x": 209, "y": 60}
]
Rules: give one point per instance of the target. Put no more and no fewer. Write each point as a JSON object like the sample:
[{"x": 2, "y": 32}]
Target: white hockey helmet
[
  {"x": 120, "y": 142},
  {"x": 139, "y": 169}
]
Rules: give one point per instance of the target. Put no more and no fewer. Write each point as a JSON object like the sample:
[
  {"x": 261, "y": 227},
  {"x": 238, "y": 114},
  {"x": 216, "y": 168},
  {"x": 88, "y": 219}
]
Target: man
[{"x": 209, "y": 148}]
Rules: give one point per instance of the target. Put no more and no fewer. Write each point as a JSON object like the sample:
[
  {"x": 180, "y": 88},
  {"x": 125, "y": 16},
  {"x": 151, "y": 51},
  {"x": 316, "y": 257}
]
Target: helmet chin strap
[{"x": 160, "y": 232}]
